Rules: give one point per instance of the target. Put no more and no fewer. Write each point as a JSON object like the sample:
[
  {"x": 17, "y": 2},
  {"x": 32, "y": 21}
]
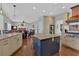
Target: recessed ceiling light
[
  {"x": 34, "y": 8},
  {"x": 50, "y": 13},
  {"x": 44, "y": 11},
  {"x": 63, "y": 7}
]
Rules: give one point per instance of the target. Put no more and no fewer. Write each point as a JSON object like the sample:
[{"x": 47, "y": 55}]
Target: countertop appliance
[{"x": 73, "y": 27}]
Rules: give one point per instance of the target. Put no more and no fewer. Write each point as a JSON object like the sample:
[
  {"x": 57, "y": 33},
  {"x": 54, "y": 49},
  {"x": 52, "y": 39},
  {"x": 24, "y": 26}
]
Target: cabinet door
[
  {"x": 63, "y": 40},
  {"x": 1, "y": 48},
  {"x": 76, "y": 43},
  {"x": 15, "y": 43},
  {"x": 5, "y": 47},
  {"x": 1, "y": 51},
  {"x": 12, "y": 44},
  {"x": 19, "y": 41}
]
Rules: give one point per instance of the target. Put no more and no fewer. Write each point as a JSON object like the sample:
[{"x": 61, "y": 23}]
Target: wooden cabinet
[
  {"x": 75, "y": 10},
  {"x": 74, "y": 14}
]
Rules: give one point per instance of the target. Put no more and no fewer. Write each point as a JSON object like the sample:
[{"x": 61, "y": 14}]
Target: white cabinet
[
  {"x": 12, "y": 44},
  {"x": 4, "y": 47},
  {"x": 76, "y": 43},
  {"x": 1, "y": 51},
  {"x": 1, "y": 48},
  {"x": 9, "y": 45},
  {"x": 19, "y": 41},
  {"x": 71, "y": 42}
]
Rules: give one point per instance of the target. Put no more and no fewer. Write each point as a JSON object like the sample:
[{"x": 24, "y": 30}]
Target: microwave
[{"x": 73, "y": 27}]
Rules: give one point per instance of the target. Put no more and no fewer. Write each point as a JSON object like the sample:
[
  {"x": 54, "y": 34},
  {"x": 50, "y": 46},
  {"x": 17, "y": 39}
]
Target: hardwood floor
[
  {"x": 66, "y": 51},
  {"x": 26, "y": 49}
]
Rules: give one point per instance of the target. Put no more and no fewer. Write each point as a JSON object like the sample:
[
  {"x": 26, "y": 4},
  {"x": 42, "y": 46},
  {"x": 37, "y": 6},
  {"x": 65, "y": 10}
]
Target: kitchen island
[
  {"x": 9, "y": 43},
  {"x": 46, "y": 44}
]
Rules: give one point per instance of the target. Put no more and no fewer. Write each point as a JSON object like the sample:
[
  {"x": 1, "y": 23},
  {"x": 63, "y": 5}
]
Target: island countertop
[
  {"x": 4, "y": 36},
  {"x": 45, "y": 36}
]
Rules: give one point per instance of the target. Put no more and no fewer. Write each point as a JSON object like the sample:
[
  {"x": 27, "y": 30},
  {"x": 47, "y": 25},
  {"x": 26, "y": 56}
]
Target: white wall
[
  {"x": 1, "y": 22},
  {"x": 8, "y": 21},
  {"x": 38, "y": 25},
  {"x": 58, "y": 20},
  {"x": 57, "y": 27},
  {"x": 8, "y": 26},
  {"x": 4, "y": 19}
]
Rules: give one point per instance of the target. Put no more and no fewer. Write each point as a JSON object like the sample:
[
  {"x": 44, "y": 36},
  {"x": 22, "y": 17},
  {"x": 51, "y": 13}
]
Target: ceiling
[{"x": 30, "y": 12}]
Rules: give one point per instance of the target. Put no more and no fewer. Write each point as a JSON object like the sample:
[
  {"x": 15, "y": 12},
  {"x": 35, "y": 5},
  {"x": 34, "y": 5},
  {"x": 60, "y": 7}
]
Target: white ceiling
[{"x": 31, "y": 12}]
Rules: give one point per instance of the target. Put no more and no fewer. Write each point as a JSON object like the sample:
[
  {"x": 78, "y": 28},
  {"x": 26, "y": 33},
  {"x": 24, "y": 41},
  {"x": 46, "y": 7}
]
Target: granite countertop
[
  {"x": 44, "y": 36},
  {"x": 4, "y": 36}
]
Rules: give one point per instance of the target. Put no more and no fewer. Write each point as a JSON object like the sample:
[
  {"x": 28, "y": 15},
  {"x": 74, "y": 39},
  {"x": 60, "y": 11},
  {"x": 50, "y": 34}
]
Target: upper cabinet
[
  {"x": 75, "y": 14},
  {"x": 75, "y": 10}
]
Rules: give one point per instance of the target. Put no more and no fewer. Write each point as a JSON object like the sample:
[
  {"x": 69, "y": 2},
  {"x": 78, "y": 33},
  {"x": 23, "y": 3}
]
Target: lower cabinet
[
  {"x": 12, "y": 44},
  {"x": 5, "y": 49},
  {"x": 1, "y": 51},
  {"x": 19, "y": 41},
  {"x": 1, "y": 48},
  {"x": 71, "y": 42},
  {"x": 9, "y": 45}
]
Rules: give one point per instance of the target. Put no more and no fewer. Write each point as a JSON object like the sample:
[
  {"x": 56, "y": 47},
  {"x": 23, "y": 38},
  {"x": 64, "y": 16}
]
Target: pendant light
[{"x": 14, "y": 6}]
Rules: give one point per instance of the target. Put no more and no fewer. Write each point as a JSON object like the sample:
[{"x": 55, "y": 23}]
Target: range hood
[{"x": 75, "y": 14}]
